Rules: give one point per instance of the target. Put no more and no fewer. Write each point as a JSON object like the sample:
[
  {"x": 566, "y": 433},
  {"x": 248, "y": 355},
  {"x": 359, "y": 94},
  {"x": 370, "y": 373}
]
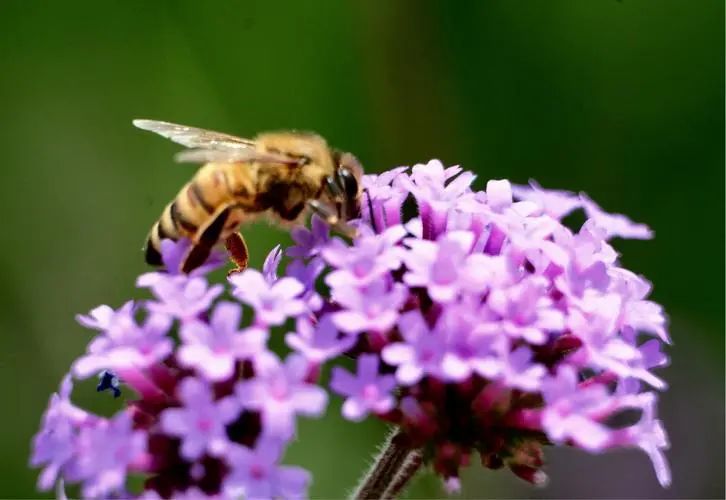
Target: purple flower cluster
[
  {"x": 483, "y": 323},
  {"x": 216, "y": 407},
  {"x": 478, "y": 323}
]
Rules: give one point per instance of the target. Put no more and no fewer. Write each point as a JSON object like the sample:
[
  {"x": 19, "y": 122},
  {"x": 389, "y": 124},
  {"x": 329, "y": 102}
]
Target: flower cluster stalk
[{"x": 390, "y": 471}]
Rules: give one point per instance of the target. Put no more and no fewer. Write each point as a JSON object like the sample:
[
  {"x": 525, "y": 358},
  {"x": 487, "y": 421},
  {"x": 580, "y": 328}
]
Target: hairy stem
[
  {"x": 391, "y": 470},
  {"x": 410, "y": 467}
]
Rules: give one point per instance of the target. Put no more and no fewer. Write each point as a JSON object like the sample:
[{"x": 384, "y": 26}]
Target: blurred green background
[{"x": 621, "y": 99}]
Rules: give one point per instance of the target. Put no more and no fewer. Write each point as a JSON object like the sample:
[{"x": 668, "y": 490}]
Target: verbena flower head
[
  {"x": 211, "y": 395},
  {"x": 505, "y": 329},
  {"x": 477, "y": 320}
]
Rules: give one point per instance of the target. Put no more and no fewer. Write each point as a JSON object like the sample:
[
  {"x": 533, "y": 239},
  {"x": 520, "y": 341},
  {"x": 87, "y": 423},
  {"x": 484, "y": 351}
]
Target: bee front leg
[
  {"x": 237, "y": 249},
  {"x": 331, "y": 217},
  {"x": 325, "y": 212}
]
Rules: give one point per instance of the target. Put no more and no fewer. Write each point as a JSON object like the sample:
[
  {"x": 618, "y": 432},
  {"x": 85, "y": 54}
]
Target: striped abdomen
[{"x": 216, "y": 191}]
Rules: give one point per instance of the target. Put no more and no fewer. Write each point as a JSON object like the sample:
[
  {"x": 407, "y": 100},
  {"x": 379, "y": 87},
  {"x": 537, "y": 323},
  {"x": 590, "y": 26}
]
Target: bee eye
[{"x": 350, "y": 184}]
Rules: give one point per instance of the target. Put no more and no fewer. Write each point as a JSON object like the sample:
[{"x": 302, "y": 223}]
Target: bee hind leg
[
  {"x": 196, "y": 256},
  {"x": 238, "y": 253},
  {"x": 205, "y": 240}
]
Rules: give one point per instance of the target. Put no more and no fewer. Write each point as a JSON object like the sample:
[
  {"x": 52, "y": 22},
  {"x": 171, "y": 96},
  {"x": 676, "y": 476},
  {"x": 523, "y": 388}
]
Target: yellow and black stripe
[
  {"x": 173, "y": 224},
  {"x": 162, "y": 229}
]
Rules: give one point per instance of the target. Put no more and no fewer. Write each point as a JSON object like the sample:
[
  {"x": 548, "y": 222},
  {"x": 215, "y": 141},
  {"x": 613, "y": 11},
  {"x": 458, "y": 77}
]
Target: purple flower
[
  {"x": 478, "y": 323},
  {"x": 499, "y": 195},
  {"x": 652, "y": 355},
  {"x": 200, "y": 422},
  {"x": 373, "y": 256},
  {"x": 554, "y": 203},
  {"x": 432, "y": 184},
  {"x": 366, "y": 391},
  {"x": 272, "y": 262},
  {"x": 382, "y": 187},
  {"x": 182, "y": 297},
  {"x": 373, "y": 308},
  {"x": 639, "y": 314},
  {"x": 273, "y": 303},
  {"x": 492, "y": 295},
  {"x": 438, "y": 191},
  {"x": 54, "y": 445},
  {"x": 307, "y": 274},
  {"x": 255, "y": 473},
  {"x": 615, "y": 225},
  {"x": 309, "y": 242},
  {"x": 319, "y": 342},
  {"x": 526, "y": 311},
  {"x": 586, "y": 260},
  {"x": 102, "y": 317},
  {"x": 213, "y": 349},
  {"x": 646, "y": 316},
  {"x": 179, "y": 417},
  {"x": 383, "y": 197},
  {"x": 124, "y": 343},
  {"x": 520, "y": 372},
  {"x": 104, "y": 453},
  {"x": 648, "y": 434},
  {"x": 178, "y": 294},
  {"x": 603, "y": 346},
  {"x": 470, "y": 346},
  {"x": 445, "y": 267},
  {"x": 571, "y": 411},
  {"x": 279, "y": 392},
  {"x": 422, "y": 351}
]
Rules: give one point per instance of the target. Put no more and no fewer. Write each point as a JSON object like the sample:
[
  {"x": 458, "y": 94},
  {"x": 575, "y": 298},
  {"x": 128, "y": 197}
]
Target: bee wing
[
  {"x": 193, "y": 137},
  {"x": 231, "y": 156}
]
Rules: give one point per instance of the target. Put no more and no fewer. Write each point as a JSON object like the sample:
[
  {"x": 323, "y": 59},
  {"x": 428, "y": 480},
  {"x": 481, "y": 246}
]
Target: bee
[{"x": 284, "y": 174}]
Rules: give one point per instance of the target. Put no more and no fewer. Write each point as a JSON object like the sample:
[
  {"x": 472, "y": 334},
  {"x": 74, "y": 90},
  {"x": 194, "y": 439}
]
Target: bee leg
[
  {"x": 335, "y": 189},
  {"x": 336, "y": 192},
  {"x": 347, "y": 230},
  {"x": 339, "y": 190},
  {"x": 330, "y": 216},
  {"x": 196, "y": 256},
  {"x": 206, "y": 238},
  {"x": 325, "y": 212},
  {"x": 237, "y": 249}
]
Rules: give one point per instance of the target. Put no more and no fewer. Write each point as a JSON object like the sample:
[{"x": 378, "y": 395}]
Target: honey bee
[{"x": 284, "y": 174}]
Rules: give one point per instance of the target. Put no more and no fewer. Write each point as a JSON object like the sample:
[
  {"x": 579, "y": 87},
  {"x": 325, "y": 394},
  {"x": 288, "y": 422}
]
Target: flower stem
[
  {"x": 410, "y": 467},
  {"x": 394, "y": 466}
]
